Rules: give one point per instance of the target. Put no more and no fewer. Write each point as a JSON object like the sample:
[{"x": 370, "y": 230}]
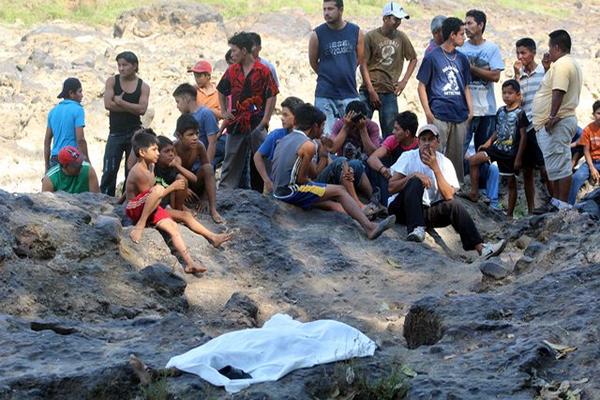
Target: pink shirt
[
  {"x": 391, "y": 144},
  {"x": 354, "y": 137}
]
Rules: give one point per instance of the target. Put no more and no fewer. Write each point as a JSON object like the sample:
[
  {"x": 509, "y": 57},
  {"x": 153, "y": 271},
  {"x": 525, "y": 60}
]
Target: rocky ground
[
  {"x": 77, "y": 297},
  {"x": 170, "y": 37}
]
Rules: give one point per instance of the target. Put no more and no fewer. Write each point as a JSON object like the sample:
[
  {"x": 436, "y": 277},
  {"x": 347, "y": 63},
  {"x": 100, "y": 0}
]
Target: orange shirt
[
  {"x": 591, "y": 138},
  {"x": 208, "y": 97}
]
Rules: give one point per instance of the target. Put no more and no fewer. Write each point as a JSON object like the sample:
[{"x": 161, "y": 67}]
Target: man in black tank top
[{"x": 126, "y": 99}]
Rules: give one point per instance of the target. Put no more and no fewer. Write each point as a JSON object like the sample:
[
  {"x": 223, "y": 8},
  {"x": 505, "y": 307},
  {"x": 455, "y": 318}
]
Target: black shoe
[{"x": 547, "y": 208}]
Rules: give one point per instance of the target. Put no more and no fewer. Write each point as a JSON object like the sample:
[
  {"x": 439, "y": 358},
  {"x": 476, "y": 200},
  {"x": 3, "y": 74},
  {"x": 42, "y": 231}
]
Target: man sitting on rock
[
  {"x": 294, "y": 169},
  {"x": 71, "y": 174},
  {"x": 402, "y": 139},
  {"x": 424, "y": 182}
]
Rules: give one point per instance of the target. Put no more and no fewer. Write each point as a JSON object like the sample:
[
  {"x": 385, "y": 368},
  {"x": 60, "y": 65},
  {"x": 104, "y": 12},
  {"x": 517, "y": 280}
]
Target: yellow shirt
[
  {"x": 209, "y": 98},
  {"x": 564, "y": 74}
]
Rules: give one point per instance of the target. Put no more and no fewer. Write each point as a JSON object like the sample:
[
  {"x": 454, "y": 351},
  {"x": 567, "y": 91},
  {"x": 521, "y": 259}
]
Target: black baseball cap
[{"x": 69, "y": 85}]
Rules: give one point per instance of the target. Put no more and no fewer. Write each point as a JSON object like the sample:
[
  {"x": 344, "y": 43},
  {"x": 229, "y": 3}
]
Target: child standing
[
  {"x": 143, "y": 203},
  {"x": 506, "y": 145},
  {"x": 590, "y": 140}
]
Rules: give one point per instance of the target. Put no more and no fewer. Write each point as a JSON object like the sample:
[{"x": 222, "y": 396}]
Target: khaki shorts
[{"x": 556, "y": 148}]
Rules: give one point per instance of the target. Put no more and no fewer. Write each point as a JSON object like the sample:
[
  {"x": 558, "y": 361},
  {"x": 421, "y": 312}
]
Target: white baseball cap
[{"x": 395, "y": 9}]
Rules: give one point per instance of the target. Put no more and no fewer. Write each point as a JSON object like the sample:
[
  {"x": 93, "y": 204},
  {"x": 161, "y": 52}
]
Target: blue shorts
[{"x": 303, "y": 196}]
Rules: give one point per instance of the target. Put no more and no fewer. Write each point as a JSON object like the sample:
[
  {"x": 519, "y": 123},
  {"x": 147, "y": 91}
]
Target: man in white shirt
[{"x": 424, "y": 182}]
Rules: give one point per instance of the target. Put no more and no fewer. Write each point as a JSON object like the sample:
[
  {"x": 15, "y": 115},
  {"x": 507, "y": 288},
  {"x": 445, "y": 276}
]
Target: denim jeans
[
  {"x": 579, "y": 178},
  {"x": 332, "y": 174},
  {"x": 117, "y": 144},
  {"x": 387, "y": 112},
  {"x": 333, "y": 109}
]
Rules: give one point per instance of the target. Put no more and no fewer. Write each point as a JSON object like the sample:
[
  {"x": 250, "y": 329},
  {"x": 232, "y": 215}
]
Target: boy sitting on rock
[
  {"x": 71, "y": 174},
  {"x": 195, "y": 159},
  {"x": 168, "y": 169},
  {"x": 143, "y": 203}
]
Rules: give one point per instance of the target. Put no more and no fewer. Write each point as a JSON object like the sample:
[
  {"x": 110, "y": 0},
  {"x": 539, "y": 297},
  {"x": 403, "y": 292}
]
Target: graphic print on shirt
[
  {"x": 451, "y": 88},
  {"x": 388, "y": 51},
  {"x": 339, "y": 47}
]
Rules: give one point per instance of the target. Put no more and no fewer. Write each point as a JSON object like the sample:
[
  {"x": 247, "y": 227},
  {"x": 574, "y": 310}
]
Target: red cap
[
  {"x": 201, "y": 66},
  {"x": 69, "y": 155}
]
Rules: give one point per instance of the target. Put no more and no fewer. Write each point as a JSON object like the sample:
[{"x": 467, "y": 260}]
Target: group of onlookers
[{"x": 331, "y": 154}]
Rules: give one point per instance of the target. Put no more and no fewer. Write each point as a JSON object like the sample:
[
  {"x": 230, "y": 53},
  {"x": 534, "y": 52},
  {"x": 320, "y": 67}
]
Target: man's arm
[
  {"x": 590, "y": 162},
  {"x": 132, "y": 108},
  {"x": 490, "y": 75},
  {"x": 93, "y": 181},
  {"x": 47, "y": 143},
  {"x": 557, "y": 98},
  {"x": 397, "y": 182},
  {"x": 212, "y": 147},
  {"x": 223, "y": 105},
  {"x": 409, "y": 71},
  {"x": 423, "y": 98},
  {"x": 469, "y": 100},
  {"x": 109, "y": 95},
  {"x": 366, "y": 77},
  {"x": 313, "y": 52},
  {"x": 81, "y": 143},
  {"x": 47, "y": 185},
  {"x": 186, "y": 173},
  {"x": 340, "y": 138},
  {"x": 306, "y": 153},
  {"x": 521, "y": 150},
  {"x": 374, "y": 161},
  {"x": 368, "y": 146},
  {"x": 269, "y": 107},
  {"x": 259, "y": 163}
]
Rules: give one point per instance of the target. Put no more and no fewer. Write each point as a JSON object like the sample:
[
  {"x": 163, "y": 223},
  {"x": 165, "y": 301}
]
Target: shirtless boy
[
  {"x": 143, "y": 203},
  {"x": 194, "y": 158}
]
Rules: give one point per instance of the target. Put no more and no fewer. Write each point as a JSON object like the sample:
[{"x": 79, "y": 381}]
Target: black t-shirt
[{"x": 165, "y": 175}]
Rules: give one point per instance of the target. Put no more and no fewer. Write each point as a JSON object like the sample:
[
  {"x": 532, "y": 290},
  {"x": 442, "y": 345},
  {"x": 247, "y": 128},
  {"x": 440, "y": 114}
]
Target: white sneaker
[
  {"x": 490, "y": 250},
  {"x": 417, "y": 235}
]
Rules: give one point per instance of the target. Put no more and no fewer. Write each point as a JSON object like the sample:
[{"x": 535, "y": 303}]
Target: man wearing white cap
[
  {"x": 386, "y": 48},
  {"x": 424, "y": 182}
]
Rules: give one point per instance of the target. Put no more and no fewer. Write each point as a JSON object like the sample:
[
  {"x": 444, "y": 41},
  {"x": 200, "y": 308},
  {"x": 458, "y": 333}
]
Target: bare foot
[
  {"x": 381, "y": 227},
  {"x": 216, "y": 217},
  {"x": 219, "y": 238},
  {"x": 473, "y": 197},
  {"x": 140, "y": 369},
  {"x": 136, "y": 234},
  {"x": 194, "y": 268}
]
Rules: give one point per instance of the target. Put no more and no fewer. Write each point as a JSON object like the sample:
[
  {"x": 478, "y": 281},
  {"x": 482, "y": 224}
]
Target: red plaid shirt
[{"x": 249, "y": 94}]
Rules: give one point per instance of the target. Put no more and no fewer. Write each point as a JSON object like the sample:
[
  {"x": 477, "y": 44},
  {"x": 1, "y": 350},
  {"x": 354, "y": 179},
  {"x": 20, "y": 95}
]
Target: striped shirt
[{"x": 529, "y": 86}]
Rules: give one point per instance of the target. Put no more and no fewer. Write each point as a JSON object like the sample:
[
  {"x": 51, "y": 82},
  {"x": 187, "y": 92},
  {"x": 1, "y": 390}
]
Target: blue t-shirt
[
  {"x": 63, "y": 120},
  {"x": 267, "y": 148},
  {"x": 271, "y": 67},
  {"x": 208, "y": 124},
  {"x": 446, "y": 77},
  {"x": 486, "y": 55},
  {"x": 337, "y": 62}
]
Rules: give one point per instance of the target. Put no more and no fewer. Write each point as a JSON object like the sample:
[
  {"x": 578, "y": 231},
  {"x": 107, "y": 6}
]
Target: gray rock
[
  {"x": 163, "y": 280},
  {"x": 494, "y": 270},
  {"x": 165, "y": 17},
  {"x": 240, "y": 311},
  {"x": 110, "y": 226}
]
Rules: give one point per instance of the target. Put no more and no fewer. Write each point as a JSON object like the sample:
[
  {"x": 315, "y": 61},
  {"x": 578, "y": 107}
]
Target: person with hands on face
[
  {"x": 424, "y": 183},
  {"x": 506, "y": 146},
  {"x": 403, "y": 139},
  {"x": 355, "y": 129}
]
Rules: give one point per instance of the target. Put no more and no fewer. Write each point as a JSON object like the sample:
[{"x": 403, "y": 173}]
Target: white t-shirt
[{"x": 410, "y": 163}]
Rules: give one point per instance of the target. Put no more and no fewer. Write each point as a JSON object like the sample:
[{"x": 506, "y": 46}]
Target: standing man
[
  {"x": 530, "y": 75},
  {"x": 126, "y": 99},
  {"x": 256, "y": 49},
  {"x": 444, "y": 78},
  {"x": 386, "y": 48},
  {"x": 437, "y": 38},
  {"x": 65, "y": 123},
  {"x": 253, "y": 93},
  {"x": 335, "y": 49},
  {"x": 486, "y": 64},
  {"x": 554, "y": 117}
]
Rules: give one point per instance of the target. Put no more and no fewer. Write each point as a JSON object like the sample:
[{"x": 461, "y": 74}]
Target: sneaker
[
  {"x": 417, "y": 235},
  {"x": 547, "y": 208},
  {"x": 490, "y": 250}
]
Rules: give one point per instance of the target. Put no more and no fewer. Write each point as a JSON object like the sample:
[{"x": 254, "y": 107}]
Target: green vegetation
[{"x": 104, "y": 12}]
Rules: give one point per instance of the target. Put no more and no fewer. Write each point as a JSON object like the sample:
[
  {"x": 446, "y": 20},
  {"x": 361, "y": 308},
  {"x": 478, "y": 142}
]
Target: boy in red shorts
[{"x": 143, "y": 203}]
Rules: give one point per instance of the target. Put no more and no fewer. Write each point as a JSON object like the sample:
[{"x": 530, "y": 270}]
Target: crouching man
[{"x": 424, "y": 183}]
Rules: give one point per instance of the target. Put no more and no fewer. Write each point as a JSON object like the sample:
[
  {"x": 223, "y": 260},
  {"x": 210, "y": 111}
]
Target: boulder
[{"x": 163, "y": 280}]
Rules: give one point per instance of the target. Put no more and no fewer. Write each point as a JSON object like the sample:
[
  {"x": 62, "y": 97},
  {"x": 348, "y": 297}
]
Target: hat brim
[{"x": 399, "y": 15}]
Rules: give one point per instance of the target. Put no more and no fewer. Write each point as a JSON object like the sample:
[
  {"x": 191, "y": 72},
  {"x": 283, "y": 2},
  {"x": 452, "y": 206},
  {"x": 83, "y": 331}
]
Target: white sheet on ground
[{"x": 268, "y": 353}]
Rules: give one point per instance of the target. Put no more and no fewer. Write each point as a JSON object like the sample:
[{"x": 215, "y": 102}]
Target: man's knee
[
  {"x": 158, "y": 190},
  {"x": 415, "y": 183}
]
